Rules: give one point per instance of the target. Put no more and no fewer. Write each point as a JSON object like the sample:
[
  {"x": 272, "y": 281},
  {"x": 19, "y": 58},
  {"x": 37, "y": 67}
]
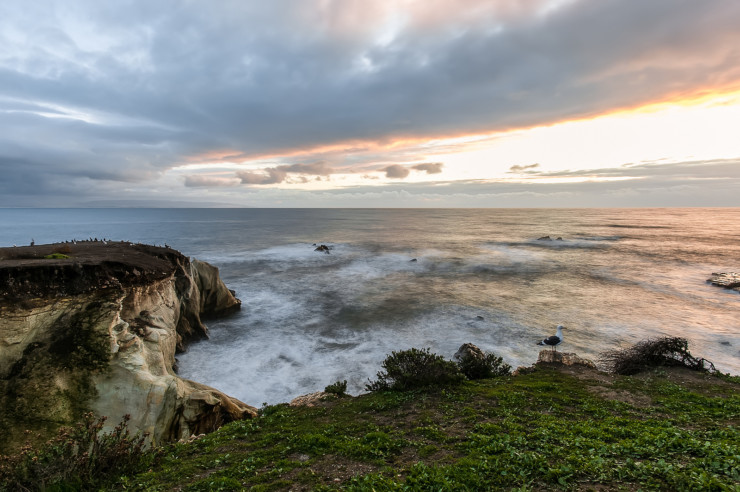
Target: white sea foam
[{"x": 309, "y": 319}]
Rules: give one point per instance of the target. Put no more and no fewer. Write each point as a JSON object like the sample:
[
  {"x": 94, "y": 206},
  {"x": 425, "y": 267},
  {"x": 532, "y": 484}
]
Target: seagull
[{"x": 554, "y": 340}]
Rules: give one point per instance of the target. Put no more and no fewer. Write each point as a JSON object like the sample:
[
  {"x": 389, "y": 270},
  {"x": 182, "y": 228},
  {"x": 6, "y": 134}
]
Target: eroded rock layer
[{"x": 95, "y": 326}]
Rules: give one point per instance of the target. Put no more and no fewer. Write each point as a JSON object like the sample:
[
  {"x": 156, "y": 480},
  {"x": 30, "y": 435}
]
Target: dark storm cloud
[
  {"x": 112, "y": 91},
  {"x": 395, "y": 171},
  {"x": 279, "y": 174},
  {"x": 429, "y": 167}
]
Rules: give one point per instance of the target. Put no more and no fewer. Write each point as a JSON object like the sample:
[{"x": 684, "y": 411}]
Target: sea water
[{"x": 482, "y": 276}]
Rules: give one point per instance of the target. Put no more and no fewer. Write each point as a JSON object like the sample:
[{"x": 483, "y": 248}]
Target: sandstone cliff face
[{"x": 111, "y": 350}]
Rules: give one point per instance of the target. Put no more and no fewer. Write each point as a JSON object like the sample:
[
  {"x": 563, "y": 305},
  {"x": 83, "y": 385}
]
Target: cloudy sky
[{"x": 370, "y": 103}]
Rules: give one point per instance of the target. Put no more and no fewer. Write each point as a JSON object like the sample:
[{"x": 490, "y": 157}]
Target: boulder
[
  {"x": 544, "y": 238},
  {"x": 468, "y": 350},
  {"x": 309, "y": 400},
  {"x": 323, "y": 248},
  {"x": 564, "y": 358}
]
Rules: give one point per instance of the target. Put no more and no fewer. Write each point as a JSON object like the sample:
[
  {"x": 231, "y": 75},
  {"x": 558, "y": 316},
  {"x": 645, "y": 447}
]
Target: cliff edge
[{"x": 94, "y": 326}]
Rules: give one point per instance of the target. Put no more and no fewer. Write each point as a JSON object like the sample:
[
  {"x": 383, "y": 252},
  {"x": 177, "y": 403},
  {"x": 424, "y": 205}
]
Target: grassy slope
[{"x": 554, "y": 428}]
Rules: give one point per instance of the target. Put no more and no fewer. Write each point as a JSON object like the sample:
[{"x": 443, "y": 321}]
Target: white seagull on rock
[{"x": 555, "y": 340}]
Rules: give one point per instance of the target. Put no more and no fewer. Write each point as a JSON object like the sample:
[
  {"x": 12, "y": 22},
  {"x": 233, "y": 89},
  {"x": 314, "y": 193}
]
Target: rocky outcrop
[
  {"x": 469, "y": 351},
  {"x": 564, "y": 358},
  {"x": 726, "y": 280},
  {"x": 100, "y": 333},
  {"x": 310, "y": 400}
]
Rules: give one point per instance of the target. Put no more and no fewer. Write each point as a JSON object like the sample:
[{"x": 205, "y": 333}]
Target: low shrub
[
  {"x": 339, "y": 388},
  {"x": 487, "y": 366},
  {"x": 79, "y": 458},
  {"x": 666, "y": 351},
  {"x": 56, "y": 256},
  {"x": 414, "y": 368}
]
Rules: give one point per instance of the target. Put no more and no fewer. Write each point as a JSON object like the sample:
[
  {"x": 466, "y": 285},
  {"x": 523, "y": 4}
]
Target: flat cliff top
[{"x": 72, "y": 268}]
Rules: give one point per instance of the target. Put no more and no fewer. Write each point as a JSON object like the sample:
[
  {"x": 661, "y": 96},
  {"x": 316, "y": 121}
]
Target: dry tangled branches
[{"x": 666, "y": 351}]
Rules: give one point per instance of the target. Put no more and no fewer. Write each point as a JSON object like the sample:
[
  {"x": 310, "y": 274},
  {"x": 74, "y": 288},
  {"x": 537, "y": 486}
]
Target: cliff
[{"x": 95, "y": 326}]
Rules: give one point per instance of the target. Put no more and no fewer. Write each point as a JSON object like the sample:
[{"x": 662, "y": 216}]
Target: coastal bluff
[{"x": 95, "y": 326}]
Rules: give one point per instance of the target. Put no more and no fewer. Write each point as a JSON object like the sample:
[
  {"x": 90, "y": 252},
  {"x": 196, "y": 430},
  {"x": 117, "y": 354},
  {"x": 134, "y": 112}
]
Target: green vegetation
[
  {"x": 552, "y": 428},
  {"x": 549, "y": 429},
  {"x": 80, "y": 457},
  {"x": 483, "y": 367},
  {"x": 339, "y": 388},
  {"x": 414, "y": 368},
  {"x": 56, "y": 256}
]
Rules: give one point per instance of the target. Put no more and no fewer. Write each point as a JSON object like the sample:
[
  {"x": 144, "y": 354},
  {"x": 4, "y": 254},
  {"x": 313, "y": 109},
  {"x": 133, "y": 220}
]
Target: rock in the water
[
  {"x": 323, "y": 248},
  {"x": 567, "y": 359},
  {"x": 413, "y": 260},
  {"x": 545, "y": 238},
  {"x": 480, "y": 318},
  {"x": 726, "y": 280},
  {"x": 309, "y": 400},
  {"x": 559, "y": 239},
  {"x": 468, "y": 350}
]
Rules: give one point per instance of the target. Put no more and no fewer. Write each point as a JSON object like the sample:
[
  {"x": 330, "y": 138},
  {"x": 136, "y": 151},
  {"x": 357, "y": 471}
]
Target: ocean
[{"x": 308, "y": 319}]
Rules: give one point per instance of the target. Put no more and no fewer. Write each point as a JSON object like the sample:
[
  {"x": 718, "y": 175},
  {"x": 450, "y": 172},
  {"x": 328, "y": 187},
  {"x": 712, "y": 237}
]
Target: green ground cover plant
[
  {"x": 553, "y": 427},
  {"x": 549, "y": 429}
]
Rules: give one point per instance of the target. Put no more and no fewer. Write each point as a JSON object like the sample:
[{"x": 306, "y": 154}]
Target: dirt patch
[
  {"x": 331, "y": 470},
  {"x": 584, "y": 373},
  {"x": 636, "y": 400}
]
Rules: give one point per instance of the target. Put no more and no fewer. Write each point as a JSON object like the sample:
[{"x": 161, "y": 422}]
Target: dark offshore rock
[
  {"x": 726, "y": 280},
  {"x": 97, "y": 330},
  {"x": 545, "y": 238},
  {"x": 323, "y": 248}
]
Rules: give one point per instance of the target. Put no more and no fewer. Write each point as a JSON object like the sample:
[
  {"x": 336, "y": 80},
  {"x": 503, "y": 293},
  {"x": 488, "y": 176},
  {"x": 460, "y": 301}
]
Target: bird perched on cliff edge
[{"x": 554, "y": 340}]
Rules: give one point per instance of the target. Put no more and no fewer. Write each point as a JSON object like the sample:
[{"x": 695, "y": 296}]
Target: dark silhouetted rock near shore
[{"x": 726, "y": 280}]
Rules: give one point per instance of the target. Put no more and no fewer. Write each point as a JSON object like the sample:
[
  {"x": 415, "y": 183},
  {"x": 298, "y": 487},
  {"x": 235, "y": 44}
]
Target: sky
[{"x": 370, "y": 103}]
